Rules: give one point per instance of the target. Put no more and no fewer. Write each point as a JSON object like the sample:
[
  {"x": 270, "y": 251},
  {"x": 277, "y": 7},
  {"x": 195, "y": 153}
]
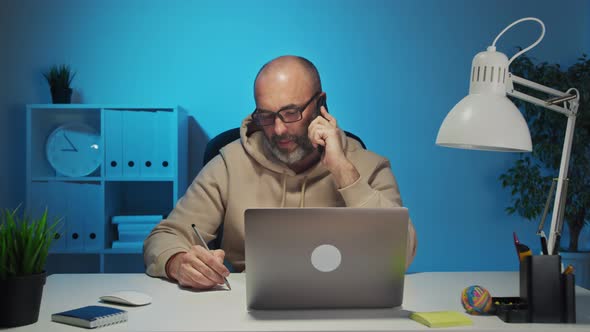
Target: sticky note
[{"x": 441, "y": 318}]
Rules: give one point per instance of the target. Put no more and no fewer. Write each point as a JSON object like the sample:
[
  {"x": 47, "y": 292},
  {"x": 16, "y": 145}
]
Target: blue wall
[{"x": 391, "y": 69}]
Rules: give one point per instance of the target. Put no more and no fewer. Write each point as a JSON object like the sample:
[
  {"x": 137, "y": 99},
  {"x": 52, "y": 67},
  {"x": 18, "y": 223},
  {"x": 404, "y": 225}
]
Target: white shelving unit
[{"x": 142, "y": 170}]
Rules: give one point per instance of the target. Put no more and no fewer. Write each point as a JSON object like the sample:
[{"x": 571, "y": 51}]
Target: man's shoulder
[
  {"x": 356, "y": 152},
  {"x": 365, "y": 161},
  {"x": 234, "y": 150}
]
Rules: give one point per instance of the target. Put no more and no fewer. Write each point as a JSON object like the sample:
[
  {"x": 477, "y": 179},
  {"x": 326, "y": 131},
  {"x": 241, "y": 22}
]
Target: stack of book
[{"x": 133, "y": 229}]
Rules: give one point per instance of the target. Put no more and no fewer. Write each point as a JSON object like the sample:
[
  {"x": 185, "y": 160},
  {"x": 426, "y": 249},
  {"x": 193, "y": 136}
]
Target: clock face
[{"x": 74, "y": 149}]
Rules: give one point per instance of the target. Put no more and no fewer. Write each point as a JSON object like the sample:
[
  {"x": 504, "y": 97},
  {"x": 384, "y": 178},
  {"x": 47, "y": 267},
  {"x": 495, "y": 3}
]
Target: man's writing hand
[
  {"x": 324, "y": 131},
  {"x": 198, "y": 268}
]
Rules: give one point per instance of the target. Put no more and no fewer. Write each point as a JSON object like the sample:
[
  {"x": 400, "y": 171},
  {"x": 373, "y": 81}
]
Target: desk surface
[{"x": 175, "y": 309}]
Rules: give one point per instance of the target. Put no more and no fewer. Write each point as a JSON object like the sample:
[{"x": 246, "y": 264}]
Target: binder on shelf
[
  {"x": 165, "y": 133},
  {"x": 76, "y": 212},
  {"x": 138, "y": 245},
  {"x": 146, "y": 148},
  {"x": 59, "y": 207},
  {"x": 136, "y": 219},
  {"x": 144, "y": 227},
  {"x": 93, "y": 237},
  {"x": 131, "y": 143},
  {"x": 113, "y": 141},
  {"x": 41, "y": 200},
  {"x": 133, "y": 236}
]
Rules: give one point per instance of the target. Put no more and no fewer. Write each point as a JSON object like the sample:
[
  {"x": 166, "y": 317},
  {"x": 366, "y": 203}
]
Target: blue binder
[
  {"x": 133, "y": 236},
  {"x": 165, "y": 133},
  {"x": 40, "y": 200},
  {"x": 132, "y": 142},
  {"x": 58, "y": 204},
  {"x": 127, "y": 227},
  {"x": 136, "y": 245},
  {"x": 94, "y": 225},
  {"x": 113, "y": 141},
  {"x": 75, "y": 210},
  {"x": 148, "y": 138},
  {"x": 136, "y": 219}
]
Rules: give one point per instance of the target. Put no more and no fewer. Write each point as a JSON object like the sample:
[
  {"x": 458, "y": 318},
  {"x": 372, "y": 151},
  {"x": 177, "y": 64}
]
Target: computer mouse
[{"x": 132, "y": 298}]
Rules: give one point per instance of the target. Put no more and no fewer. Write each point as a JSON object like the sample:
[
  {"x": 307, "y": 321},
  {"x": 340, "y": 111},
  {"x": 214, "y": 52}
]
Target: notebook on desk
[{"x": 309, "y": 258}]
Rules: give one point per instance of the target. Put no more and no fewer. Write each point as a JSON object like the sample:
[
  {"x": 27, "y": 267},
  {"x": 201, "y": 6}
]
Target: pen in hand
[{"x": 207, "y": 247}]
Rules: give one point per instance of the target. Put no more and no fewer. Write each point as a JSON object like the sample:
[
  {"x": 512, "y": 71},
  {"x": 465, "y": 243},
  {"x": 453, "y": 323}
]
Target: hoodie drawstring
[
  {"x": 302, "y": 200},
  {"x": 284, "y": 190},
  {"x": 302, "y": 197}
]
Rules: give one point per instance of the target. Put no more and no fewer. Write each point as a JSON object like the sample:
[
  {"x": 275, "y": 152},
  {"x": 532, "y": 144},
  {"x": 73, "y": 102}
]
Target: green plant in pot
[
  {"x": 24, "y": 246},
  {"x": 59, "y": 79},
  {"x": 531, "y": 176}
]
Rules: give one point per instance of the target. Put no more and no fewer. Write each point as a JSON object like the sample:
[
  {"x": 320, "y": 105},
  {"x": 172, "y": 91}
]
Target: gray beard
[{"x": 304, "y": 149}]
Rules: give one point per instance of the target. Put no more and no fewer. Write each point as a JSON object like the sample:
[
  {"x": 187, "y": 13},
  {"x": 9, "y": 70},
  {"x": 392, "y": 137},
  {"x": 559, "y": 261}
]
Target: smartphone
[{"x": 321, "y": 102}]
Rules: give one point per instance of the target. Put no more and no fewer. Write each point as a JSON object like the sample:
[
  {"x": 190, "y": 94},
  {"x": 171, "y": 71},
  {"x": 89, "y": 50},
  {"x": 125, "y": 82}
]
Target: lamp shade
[
  {"x": 486, "y": 119},
  {"x": 485, "y": 122}
]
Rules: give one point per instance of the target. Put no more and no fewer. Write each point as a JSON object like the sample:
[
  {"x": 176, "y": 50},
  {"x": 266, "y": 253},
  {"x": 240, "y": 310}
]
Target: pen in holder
[{"x": 548, "y": 294}]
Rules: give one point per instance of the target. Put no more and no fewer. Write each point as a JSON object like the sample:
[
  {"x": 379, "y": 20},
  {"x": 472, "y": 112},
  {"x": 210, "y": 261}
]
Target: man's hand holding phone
[{"x": 323, "y": 131}]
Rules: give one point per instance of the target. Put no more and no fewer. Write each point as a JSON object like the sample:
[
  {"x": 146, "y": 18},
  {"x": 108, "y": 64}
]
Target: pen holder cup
[{"x": 549, "y": 295}]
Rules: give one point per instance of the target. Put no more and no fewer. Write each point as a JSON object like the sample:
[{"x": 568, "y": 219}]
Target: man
[{"x": 287, "y": 156}]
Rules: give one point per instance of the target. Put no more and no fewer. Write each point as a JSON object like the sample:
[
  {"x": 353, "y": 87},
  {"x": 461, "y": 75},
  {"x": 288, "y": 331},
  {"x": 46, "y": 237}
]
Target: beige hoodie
[{"x": 246, "y": 175}]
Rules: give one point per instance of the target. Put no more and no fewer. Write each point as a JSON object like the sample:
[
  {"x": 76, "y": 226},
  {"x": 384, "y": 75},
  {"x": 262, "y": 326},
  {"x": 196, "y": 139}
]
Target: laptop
[{"x": 314, "y": 258}]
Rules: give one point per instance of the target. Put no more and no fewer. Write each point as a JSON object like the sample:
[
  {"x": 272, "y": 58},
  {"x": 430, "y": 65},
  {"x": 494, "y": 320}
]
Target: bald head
[{"x": 287, "y": 73}]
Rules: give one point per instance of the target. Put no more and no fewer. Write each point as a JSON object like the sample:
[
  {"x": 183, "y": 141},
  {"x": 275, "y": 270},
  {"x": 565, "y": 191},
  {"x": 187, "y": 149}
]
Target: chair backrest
[
  {"x": 228, "y": 136},
  {"x": 212, "y": 150}
]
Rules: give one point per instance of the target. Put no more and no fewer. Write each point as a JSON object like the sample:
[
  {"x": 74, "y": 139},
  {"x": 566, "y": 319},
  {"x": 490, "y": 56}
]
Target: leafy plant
[
  {"x": 59, "y": 77},
  {"x": 530, "y": 178},
  {"x": 24, "y": 243}
]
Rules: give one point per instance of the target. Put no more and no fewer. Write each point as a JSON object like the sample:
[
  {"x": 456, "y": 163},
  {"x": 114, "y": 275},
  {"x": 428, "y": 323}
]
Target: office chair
[{"x": 221, "y": 140}]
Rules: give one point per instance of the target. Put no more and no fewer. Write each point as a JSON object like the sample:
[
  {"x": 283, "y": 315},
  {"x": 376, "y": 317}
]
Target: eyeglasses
[{"x": 287, "y": 114}]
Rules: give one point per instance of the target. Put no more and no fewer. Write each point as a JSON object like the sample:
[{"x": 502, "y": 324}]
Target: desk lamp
[{"x": 487, "y": 120}]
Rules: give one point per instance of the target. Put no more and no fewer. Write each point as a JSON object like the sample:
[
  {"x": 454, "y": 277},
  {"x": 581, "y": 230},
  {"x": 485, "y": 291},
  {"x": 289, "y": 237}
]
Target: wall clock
[{"x": 74, "y": 149}]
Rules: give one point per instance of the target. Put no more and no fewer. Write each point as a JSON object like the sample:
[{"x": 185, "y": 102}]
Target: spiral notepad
[{"x": 91, "y": 316}]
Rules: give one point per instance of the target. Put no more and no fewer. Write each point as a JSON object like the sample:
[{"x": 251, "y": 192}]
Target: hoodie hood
[
  {"x": 253, "y": 141},
  {"x": 253, "y": 138}
]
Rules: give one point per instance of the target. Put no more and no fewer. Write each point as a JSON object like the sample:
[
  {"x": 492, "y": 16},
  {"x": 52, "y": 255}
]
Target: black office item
[
  {"x": 511, "y": 309},
  {"x": 91, "y": 316},
  {"x": 544, "y": 245},
  {"x": 546, "y": 294},
  {"x": 556, "y": 245},
  {"x": 321, "y": 102}
]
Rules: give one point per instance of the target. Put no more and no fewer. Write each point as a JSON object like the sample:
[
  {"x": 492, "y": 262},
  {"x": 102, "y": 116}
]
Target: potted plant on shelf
[
  {"x": 24, "y": 246},
  {"x": 530, "y": 178},
  {"x": 59, "y": 79}
]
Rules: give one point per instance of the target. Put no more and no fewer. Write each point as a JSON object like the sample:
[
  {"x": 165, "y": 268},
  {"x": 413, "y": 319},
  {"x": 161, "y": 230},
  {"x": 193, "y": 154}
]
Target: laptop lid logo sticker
[{"x": 326, "y": 258}]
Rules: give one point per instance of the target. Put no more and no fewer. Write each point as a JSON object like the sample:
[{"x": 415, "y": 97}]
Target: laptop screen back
[{"x": 306, "y": 258}]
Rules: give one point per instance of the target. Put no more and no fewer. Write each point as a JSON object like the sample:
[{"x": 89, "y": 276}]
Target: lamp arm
[
  {"x": 539, "y": 102},
  {"x": 570, "y": 109},
  {"x": 561, "y": 193}
]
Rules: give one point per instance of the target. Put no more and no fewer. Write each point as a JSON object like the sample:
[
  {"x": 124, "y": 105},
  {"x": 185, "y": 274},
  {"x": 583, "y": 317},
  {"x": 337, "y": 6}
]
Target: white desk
[{"x": 175, "y": 309}]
